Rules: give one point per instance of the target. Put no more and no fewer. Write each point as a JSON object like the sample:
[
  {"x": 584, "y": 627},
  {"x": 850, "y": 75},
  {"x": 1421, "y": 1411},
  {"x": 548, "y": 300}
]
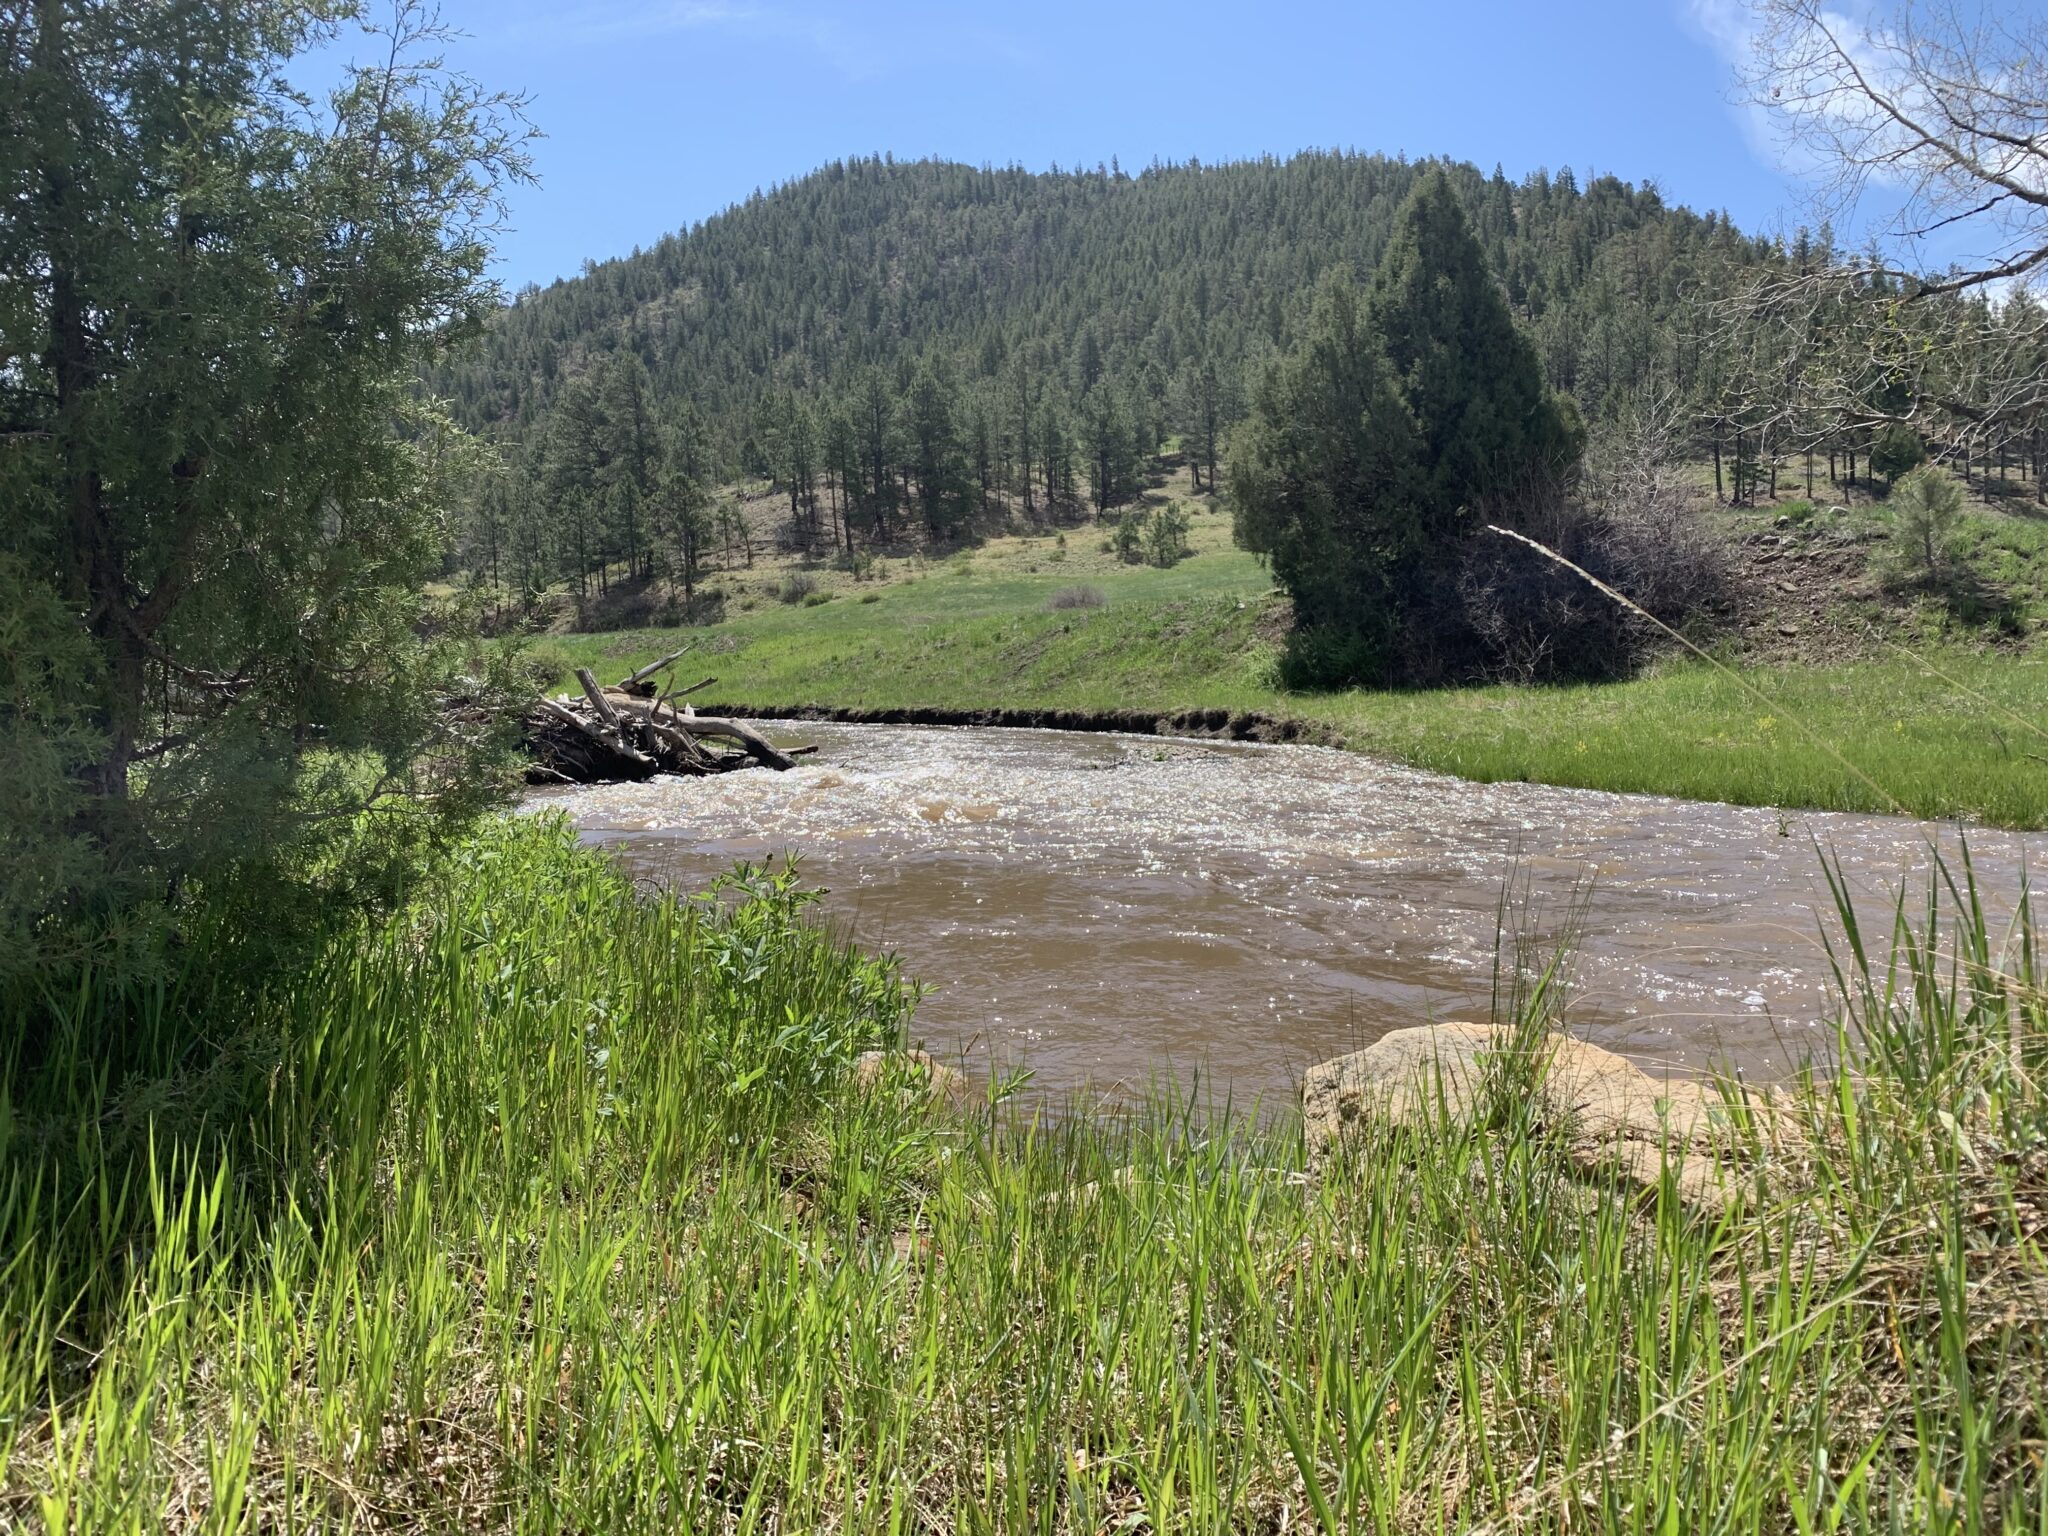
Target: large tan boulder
[{"x": 1620, "y": 1120}]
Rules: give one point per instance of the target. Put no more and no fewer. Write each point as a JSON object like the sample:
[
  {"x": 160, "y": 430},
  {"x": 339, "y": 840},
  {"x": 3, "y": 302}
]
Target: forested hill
[{"x": 1073, "y": 283}]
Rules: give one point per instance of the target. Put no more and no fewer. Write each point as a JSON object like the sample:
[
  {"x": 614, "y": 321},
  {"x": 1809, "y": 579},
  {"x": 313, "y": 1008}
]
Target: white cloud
[{"x": 1730, "y": 27}]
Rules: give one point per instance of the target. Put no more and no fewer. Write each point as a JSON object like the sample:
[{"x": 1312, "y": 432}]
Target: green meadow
[{"x": 1936, "y": 728}]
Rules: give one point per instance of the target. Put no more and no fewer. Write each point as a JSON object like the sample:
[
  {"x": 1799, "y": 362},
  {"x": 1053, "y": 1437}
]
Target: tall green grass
[{"x": 557, "y": 1209}]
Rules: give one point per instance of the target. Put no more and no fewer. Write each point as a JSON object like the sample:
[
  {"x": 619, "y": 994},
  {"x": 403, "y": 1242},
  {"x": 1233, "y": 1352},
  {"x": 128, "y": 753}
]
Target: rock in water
[{"x": 1618, "y": 1120}]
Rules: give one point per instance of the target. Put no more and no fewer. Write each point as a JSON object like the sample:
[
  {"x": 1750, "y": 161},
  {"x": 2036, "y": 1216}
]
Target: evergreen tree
[
  {"x": 1024, "y": 393},
  {"x": 573, "y": 473},
  {"x": 1896, "y": 449},
  {"x": 874, "y": 423},
  {"x": 798, "y": 467},
  {"x": 841, "y": 448},
  {"x": 1492, "y": 430},
  {"x": 682, "y": 499},
  {"x": 1058, "y": 454},
  {"x": 932, "y": 439},
  {"x": 1329, "y": 484},
  {"x": 223, "y": 489},
  {"x": 1199, "y": 412},
  {"x": 629, "y": 451},
  {"x": 1109, "y": 440}
]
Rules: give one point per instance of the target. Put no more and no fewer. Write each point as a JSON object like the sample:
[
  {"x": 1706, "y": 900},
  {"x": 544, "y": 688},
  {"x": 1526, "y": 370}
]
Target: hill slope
[{"x": 1103, "y": 278}]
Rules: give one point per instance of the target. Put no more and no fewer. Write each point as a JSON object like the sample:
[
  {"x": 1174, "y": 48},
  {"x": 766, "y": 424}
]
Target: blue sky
[{"x": 658, "y": 113}]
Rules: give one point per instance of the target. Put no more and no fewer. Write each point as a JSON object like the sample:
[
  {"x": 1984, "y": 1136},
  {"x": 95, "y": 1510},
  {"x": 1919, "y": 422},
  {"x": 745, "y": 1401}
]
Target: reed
[{"x": 554, "y": 1206}]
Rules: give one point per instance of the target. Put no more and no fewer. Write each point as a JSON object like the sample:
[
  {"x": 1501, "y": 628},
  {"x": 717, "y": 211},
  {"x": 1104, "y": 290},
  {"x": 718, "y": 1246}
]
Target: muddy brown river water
[{"x": 1106, "y": 911}]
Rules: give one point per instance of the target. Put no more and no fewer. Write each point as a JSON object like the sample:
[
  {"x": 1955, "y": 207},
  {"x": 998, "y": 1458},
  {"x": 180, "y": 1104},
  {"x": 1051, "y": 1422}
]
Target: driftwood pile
[{"x": 636, "y": 729}]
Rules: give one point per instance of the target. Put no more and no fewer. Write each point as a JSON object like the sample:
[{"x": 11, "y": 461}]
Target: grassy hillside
[{"x": 1950, "y": 726}]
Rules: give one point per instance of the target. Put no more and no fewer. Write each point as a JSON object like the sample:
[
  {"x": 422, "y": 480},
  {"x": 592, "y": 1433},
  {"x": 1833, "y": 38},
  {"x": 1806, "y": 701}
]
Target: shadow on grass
[
  {"x": 1966, "y": 597},
  {"x": 2015, "y": 498}
]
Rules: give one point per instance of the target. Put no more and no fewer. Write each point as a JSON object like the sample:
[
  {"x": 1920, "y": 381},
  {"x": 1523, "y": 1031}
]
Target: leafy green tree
[
  {"x": 1491, "y": 428},
  {"x": 218, "y": 302}
]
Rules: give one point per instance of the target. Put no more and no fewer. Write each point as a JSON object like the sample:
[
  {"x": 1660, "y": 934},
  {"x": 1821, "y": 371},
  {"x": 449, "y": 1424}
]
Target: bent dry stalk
[{"x": 1727, "y": 671}]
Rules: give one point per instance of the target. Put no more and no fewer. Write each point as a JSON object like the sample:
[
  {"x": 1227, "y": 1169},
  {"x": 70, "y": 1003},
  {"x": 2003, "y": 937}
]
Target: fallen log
[
  {"x": 655, "y": 666},
  {"x": 692, "y": 724},
  {"x": 610, "y": 734},
  {"x": 596, "y": 696}
]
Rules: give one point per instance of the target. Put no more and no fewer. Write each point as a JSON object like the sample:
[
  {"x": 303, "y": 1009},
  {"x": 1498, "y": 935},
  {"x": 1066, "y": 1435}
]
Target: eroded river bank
[{"x": 1108, "y": 909}]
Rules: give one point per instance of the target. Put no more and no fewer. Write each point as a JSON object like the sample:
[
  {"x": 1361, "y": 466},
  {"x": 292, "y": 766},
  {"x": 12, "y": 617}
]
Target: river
[{"x": 1109, "y": 911}]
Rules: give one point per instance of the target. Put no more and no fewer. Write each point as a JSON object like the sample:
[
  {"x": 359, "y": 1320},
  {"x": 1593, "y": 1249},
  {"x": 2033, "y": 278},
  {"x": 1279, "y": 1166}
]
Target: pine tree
[
  {"x": 682, "y": 498},
  {"x": 572, "y": 467},
  {"x": 874, "y": 418},
  {"x": 932, "y": 440},
  {"x": 1058, "y": 454},
  {"x": 798, "y": 464},
  {"x": 1109, "y": 440},
  {"x": 1023, "y": 405},
  {"x": 841, "y": 449},
  {"x": 630, "y": 449},
  {"x": 1199, "y": 412}
]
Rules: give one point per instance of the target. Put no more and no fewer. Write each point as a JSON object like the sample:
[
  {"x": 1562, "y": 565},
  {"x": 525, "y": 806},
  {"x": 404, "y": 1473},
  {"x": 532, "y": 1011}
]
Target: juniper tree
[
  {"x": 217, "y": 300},
  {"x": 1490, "y": 426},
  {"x": 1327, "y": 476}
]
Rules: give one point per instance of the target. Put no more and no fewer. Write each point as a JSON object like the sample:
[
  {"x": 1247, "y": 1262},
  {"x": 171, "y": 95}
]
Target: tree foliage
[
  {"x": 1926, "y": 505},
  {"x": 1327, "y": 476},
  {"x": 1375, "y": 443},
  {"x": 223, "y": 491},
  {"x": 1491, "y": 428},
  {"x": 1076, "y": 321}
]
